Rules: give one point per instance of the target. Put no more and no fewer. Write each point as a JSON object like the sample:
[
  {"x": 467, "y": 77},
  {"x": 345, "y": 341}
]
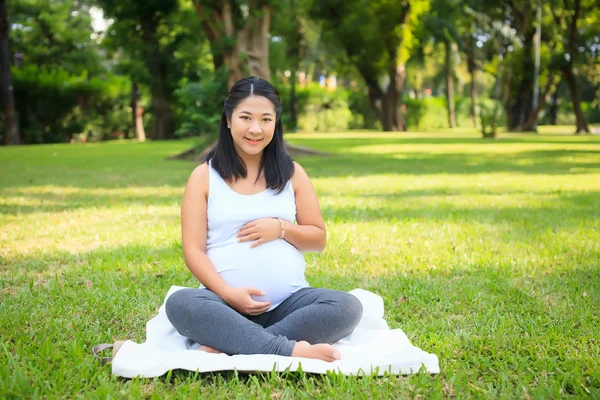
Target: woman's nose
[{"x": 255, "y": 128}]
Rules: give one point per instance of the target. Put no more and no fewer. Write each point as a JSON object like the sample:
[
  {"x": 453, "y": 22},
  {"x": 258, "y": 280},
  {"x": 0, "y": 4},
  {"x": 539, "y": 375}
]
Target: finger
[
  {"x": 255, "y": 313},
  {"x": 261, "y": 304},
  {"x": 257, "y": 243},
  {"x": 255, "y": 291},
  {"x": 260, "y": 311},
  {"x": 246, "y": 226},
  {"x": 248, "y": 238},
  {"x": 246, "y": 232}
]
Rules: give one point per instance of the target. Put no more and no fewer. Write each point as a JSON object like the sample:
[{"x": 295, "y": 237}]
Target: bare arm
[
  {"x": 193, "y": 231},
  {"x": 309, "y": 233}
]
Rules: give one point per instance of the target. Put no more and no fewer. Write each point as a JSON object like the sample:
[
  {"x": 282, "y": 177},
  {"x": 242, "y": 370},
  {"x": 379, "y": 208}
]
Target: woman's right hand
[{"x": 240, "y": 299}]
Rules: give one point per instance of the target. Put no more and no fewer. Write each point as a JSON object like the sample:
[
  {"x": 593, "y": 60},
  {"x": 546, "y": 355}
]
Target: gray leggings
[{"x": 310, "y": 314}]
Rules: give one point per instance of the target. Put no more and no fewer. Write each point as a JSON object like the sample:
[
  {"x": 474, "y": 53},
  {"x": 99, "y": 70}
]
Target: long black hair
[{"x": 277, "y": 165}]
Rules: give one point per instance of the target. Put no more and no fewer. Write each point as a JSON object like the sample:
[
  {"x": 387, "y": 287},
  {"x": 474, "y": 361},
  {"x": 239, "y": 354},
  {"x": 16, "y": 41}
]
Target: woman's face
[{"x": 252, "y": 125}]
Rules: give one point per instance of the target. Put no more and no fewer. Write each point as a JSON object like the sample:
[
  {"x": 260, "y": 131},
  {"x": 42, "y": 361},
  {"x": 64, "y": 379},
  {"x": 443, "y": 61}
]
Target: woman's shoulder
[
  {"x": 298, "y": 170},
  {"x": 300, "y": 177},
  {"x": 201, "y": 171},
  {"x": 199, "y": 178}
]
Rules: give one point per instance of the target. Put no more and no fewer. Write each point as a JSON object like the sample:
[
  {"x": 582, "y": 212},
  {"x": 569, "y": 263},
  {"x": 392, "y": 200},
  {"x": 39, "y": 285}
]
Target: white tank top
[{"x": 276, "y": 267}]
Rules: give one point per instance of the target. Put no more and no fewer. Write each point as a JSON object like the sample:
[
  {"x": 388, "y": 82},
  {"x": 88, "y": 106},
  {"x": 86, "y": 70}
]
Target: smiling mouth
[{"x": 253, "y": 141}]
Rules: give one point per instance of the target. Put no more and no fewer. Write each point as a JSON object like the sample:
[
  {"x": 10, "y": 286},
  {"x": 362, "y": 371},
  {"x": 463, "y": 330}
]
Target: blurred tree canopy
[{"x": 104, "y": 69}]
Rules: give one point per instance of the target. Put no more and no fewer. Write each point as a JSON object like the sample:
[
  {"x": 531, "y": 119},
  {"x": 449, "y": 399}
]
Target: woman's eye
[
  {"x": 267, "y": 119},
  {"x": 245, "y": 117}
]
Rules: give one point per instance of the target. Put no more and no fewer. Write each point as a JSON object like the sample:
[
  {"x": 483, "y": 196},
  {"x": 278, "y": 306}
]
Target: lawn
[{"x": 487, "y": 253}]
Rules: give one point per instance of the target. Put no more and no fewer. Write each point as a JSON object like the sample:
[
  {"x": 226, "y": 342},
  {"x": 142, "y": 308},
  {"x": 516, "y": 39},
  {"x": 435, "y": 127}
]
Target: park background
[{"x": 451, "y": 144}]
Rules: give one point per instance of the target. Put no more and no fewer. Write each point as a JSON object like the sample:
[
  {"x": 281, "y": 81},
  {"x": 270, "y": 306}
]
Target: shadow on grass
[
  {"x": 104, "y": 167},
  {"x": 544, "y": 162},
  {"x": 574, "y": 209},
  {"x": 73, "y": 201}
]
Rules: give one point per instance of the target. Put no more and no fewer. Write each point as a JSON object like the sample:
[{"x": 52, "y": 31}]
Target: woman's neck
[{"x": 252, "y": 164}]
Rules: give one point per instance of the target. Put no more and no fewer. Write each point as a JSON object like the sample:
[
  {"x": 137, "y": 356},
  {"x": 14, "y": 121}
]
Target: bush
[
  {"x": 431, "y": 113},
  {"x": 426, "y": 114},
  {"x": 202, "y": 104},
  {"x": 566, "y": 114},
  {"x": 491, "y": 115},
  {"x": 53, "y": 105},
  {"x": 319, "y": 110},
  {"x": 363, "y": 114}
]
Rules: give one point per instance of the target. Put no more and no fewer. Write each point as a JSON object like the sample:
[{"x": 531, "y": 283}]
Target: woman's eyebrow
[{"x": 249, "y": 113}]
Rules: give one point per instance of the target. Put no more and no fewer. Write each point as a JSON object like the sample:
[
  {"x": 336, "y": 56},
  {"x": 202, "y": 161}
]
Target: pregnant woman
[{"x": 247, "y": 215}]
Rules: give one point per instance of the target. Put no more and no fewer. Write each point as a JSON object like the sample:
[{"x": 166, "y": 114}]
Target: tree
[
  {"x": 137, "y": 30},
  {"x": 238, "y": 32},
  {"x": 571, "y": 42},
  {"x": 376, "y": 37},
  {"x": 11, "y": 127},
  {"x": 441, "y": 25},
  {"x": 289, "y": 47},
  {"x": 47, "y": 31}
]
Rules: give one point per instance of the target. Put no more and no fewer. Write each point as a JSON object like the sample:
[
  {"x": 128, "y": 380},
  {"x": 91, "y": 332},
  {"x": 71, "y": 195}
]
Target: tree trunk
[
  {"x": 419, "y": 86},
  {"x": 472, "y": 67},
  {"x": 520, "y": 108},
  {"x": 529, "y": 125},
  {"x": 252, "y": 39},
  {"x": 133, "y": 101},
  {"x": 598, "y": 99},
  {"x": 567, "y": 69},
  {"x": 507, "y": 76},
  {"x": 375, "y": 95},
  {"x": 163, "y": 125},
  {"x": 449, "y": 85},
  {"x": 296, "y": 53},
  {"x": 137, "y": 113},
  {"x": 582, "y": 125},
  {"x": 293, "y": 101},
  {"x": 388, "y": 110},
  {"x": 7, "y": 98},
  {"x": 553, "y": 112},
  {"x": 400, "y": 121},
  {"x": 254, "y": 42}
]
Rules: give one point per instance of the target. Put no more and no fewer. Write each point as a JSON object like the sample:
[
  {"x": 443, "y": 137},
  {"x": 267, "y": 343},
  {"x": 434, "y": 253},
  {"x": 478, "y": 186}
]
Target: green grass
[{"x": 487, "y": 253}]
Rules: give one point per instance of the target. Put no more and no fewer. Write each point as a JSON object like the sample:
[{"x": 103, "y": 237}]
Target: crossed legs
[{"x": 310, "y": 316}]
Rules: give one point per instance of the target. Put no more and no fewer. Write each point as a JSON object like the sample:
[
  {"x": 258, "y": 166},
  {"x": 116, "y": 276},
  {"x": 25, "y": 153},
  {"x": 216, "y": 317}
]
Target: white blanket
[{"x": 371, "y": 349}]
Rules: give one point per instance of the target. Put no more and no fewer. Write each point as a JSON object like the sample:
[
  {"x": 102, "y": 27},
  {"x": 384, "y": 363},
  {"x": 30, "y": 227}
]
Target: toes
[{"x": 336, "y": 354}]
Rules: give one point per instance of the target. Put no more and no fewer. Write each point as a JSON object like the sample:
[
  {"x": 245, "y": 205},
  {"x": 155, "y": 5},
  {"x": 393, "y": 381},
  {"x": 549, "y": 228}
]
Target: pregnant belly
[{"x": 276, "y": 268}]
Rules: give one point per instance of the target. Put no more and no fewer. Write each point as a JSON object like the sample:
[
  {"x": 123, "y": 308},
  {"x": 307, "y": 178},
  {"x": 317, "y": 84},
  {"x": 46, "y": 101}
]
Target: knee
[
  {"x": 174, "y": 304},
  {"x": 352, "y": 309},
  {"x": 348, "y": 313},
  {"x": 178, "y": 303}
]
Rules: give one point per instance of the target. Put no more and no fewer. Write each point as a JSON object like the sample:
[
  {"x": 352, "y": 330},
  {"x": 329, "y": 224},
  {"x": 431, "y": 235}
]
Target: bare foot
[
  {"x": 209, "y": 350},
  {"x": 325, "y": 352}
]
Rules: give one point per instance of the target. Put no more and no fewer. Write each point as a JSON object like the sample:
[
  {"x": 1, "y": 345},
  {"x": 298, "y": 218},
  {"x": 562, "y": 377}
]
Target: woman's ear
[{"x": 228, "y": 123}]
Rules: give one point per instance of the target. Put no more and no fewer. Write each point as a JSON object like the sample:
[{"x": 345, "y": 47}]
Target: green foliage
[
  {"x": 430, "y": 113},
  {"x": 201, "y": 104},
  {"x": 54, "y": 105},
  {"x": 319, "y": 109},
  {"x": 565, "y": 114},
  {"x": 363, "y": 114},
  {"x": 48, "y": 33},
  {"x": 491, "y": 116}
]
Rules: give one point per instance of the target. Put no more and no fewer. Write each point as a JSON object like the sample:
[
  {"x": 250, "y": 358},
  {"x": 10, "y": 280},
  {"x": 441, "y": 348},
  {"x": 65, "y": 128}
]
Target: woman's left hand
[{"x": 261, "y": 231}]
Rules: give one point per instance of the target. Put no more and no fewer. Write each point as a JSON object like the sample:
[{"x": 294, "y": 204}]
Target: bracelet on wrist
[{"x": 282, "y": 228}]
